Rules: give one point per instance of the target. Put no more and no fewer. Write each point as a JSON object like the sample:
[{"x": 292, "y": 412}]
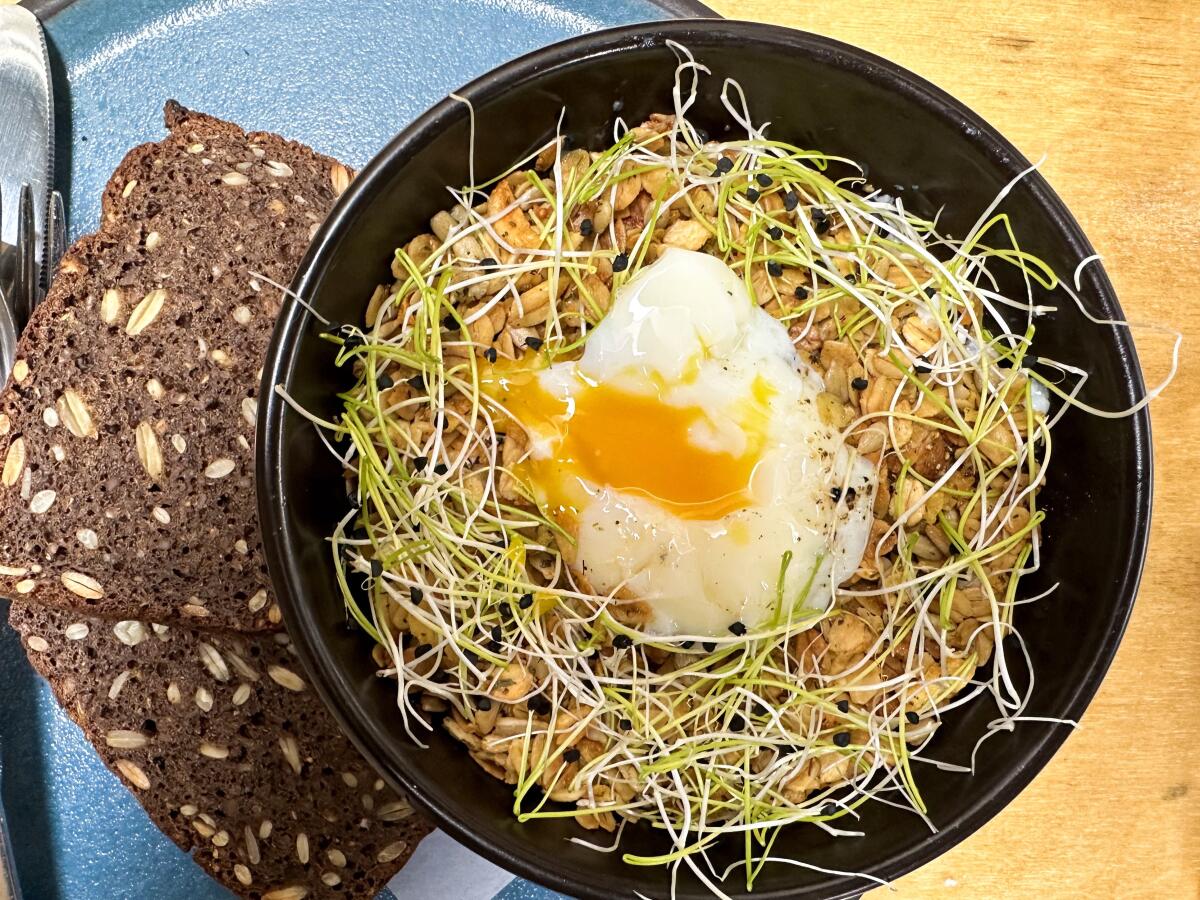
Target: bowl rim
[{"x": 331, "y": 683}]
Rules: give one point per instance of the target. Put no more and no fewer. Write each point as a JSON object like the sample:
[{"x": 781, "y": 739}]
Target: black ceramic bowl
[{"x": 913, "y": 139}]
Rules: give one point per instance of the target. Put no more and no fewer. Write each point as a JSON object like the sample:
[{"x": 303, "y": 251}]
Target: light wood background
[{"x": 1110, "y": 91}]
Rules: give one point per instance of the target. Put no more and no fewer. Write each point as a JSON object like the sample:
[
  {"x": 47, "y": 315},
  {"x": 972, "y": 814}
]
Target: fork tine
[{"x": 25, "y": 292}]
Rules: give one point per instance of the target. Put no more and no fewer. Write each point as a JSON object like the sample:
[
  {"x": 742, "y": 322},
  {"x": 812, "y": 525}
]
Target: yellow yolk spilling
[{"x": 684, "y": 454}]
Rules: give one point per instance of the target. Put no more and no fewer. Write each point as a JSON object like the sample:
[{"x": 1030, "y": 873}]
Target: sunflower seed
[
  {"x": 242, "y": 694},
  {"x": 204, "y": 828},
  {"x": 291, "y": 752},
  {"x": 88, "y": 538},
  {"x": 243, "y": 548},
  {"x": 174, "y": 695},
  {"x": 75, "y": 415},
  {"x": 5, "y": 423},
  {"x": 130, "y": 632},
  {"x": 50, "y": 417},
  {"x": 221, "y": 839},
  {"x": 259, "y": 600},
  {"x": 110, "y": 306},
  {"x": 147, "y": 449},
  {"x": 339, "y": 177},
  {"x": 242, "y": 314},
  {"x": 118, "y": 683},
  {"x": 274, "y": 614},
  {"x": 242, "y": 874},
  {"x": 394, "y": 811},
  {"x": 26, "y": 484},
  {"x": 250, "y": 410},
  {"x": 350, "y": 779},
  {"x": 37, "y": 644},
  {"x": 133, "y": 772},
  {"x": 42, "y": 501},
  {"x": 221, "y": 358},
  {"x": 244, "y": 166},
  {"x": 77, "y": 631},
  {"x": 84, "y": 586},
  {"x": 213, "y": 751},
  {"x": 20, "y": 371},
  {"x": 194, "y": 610},
  {"x": 129, "y": 186},
  {"x": 331, "y": 879},
  {"x": 153, "y": 239},
  {"x": 161, "y": 515},
  {"x": 178, "y": 442},
  {"x": 337, "y": 857},
  {"x": 265, "y": 827},
  {"x": 286, "y": 893},
  {"x": 208, "y": 820},
  {"x": 242, "y": 667},
  {"x": 302, "y": 848},
  {"x": 251, "y": 842},
  {"x": 204, "y": 700},
  {"x": 160, "y": 631},
  {"x": 58, "y": 453},
  {"x": 286, "y": 678},
  {"x": 195, "y": 148},
  {"x": 26, "y": 586},
  {"x": 14, "y": 571},
  {"x": 213, "y": 661},
  {"x": 145, "y": 312},
  {"x": 188, "y": 810},
  {"x": 14, "y": 462},
  {"x": 278, "y": 169},
  {"x": 392, "y": 851},
  {"x": 235, "y": 179},
  {"x": 126, "y": 740},
  {"x": 368, "y": 802},
  {"x": 219, "y": 468}
]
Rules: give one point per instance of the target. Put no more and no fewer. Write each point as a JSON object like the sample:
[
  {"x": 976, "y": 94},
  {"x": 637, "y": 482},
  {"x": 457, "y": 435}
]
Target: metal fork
[{"x": 21, "y": 288}]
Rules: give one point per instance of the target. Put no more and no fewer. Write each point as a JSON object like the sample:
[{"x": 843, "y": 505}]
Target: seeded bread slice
[
  {"x": 127, "y": 426},
  {"x": 230, "y": 752}
]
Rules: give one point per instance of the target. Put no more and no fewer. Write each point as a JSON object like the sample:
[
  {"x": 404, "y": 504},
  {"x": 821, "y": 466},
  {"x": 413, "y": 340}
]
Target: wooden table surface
[{"x": 1109, "y": 90}]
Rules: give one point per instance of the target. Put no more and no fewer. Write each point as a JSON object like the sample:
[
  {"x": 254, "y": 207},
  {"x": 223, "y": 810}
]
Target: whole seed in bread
[
  {"x": 127, "y": 427},
  {"x": 229, "y": 750}
]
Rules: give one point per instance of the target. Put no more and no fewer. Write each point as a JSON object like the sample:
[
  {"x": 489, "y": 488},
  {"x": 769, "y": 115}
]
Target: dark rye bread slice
[
  {"x": 127, "y": 426},
  {"x": 230, "y": 752}
]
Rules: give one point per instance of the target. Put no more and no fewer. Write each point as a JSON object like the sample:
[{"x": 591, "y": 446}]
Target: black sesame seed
[
  {"x": 471, "y": 658},
  {"x": 774, "y": 232},
  {"x": 490, "y": 354},
  {"x": 842, "y": 739},
  {"x": 334, "y": 328},
  {"x": 763, "y": 179},
  {"x": 533, "y": 343},
  {"x": 701, "y": 135},
  {"x": 843, "y": 706},
  {"x": 419, "y": 463},
  {"x": 859, "y": 384},
  {"x": 487, "y": 262},
  {"x": 417, "y": 382},
  {"x": 384, "y": 381},
  {"x": 449, "y": 322},
  {"x": 483, "y": 704},
  {"x": 415, "y": 594},
  {"x": 737, "y": 723},
  {"x": 571, "y": 755},
  {"x": 709, "y": 646},
  {"x": 539, "y": 704},
  {"x": 752, "y": 195},
  {"x": 586, "y": 227},
  {"x": 440, "y": 469},
  {"x": 835, "y": 493},
  {"x": 497, "y": 633},
  {"x": 621, "y": 263},
  {"x": 626, "y": 724},
  {"x": 820, "y": 221},
  {"x": 912, "y": 717},
  {"x": 376, "y": 568},
  {"x": 622, "y": 642},
  {"x": 829, "y": 809},
  {"x": 738, "y": 628},
  {"x": 800, "y": 292},
  {"x": 922, "y": 369},
  {"x": 775, "y": 268},
  {"x": 930, "y": 291},
  {"x": 724, "y": 165},
  {"x": 422, "y": 649},
  {"x": 790, "y": 200},
  {"x": 526, "y": 601},
  {"x": 354, "y": 340},
  {"x": 687, "y": 645}
]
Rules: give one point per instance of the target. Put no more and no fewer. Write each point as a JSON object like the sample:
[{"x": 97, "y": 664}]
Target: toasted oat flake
[
  {"x": 394, "y": 811},
  {"x": 160, "y": 631},
  {"x": 42, "y": 501},
  {"x": 243, "y": 668},
  {"x": 118, "y": 684},
  {"x": 278, "y": 169},
  {"x": 110, "y": 306},
  {"x": 204, "y": 698},
  {"x": 250, "y": 410},
  {"x": 291, "y": 752},
  {"x": 219, "y": 468},
  {"x": 145, "y": 312},
  {"x": 331, "y": 879},
  {"x": 251, "y": 843},
  {"x": 133, "y": 773},
  {"x": 37, "y": 643},
  {"x": 77, "y": 631},
  {"x": 242, "y": 694},
  {"x": 392, "y": 851},
  {"x": 126, "y": 740},
  {"x": 339, "y": 177},
  {"x": 286, "y": 678},
  {"x": 82, "y": 585},
  {"x": 213, "y": 751},
  {"x": 295, "y": 892},
  {"x": 337, "y": 857},
  {"x": 221, "y": 839},
  {"x": 149, "y": 455},
  {"x": 274, "y": 614},
  {"x": 242, "y": 874},
  {"x": 203, "y": 828},
  {"x": 5, "y": 424},
  {"x": 75, "y": 414},
  {"x": 14, "y": 571},
  {"x": 14, "y": 462},
  {"x": 235, "y": 179},
  {"x": 213, "y": 661},
  {"x": 87, "y": 538}
]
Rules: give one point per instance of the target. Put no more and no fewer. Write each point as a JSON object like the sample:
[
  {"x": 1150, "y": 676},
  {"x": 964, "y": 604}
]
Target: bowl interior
[{"x": 913, "y": 141}]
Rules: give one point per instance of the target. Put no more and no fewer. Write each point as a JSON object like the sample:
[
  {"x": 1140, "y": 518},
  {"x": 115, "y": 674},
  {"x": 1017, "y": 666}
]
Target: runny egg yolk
[{"x": 631, "y": 442}]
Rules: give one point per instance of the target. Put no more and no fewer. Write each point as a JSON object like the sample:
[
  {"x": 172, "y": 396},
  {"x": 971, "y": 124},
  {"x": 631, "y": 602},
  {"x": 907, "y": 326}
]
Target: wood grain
[{"x": 1109, "y": 90}]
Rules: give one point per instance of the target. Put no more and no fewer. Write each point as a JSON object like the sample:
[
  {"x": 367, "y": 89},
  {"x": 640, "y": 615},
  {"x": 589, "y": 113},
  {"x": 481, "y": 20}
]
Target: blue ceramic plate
[{"x": 344, "y": 78}]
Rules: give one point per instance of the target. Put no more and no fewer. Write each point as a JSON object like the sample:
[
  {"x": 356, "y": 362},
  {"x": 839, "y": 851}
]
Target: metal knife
[{"x": 27, "y": 257}]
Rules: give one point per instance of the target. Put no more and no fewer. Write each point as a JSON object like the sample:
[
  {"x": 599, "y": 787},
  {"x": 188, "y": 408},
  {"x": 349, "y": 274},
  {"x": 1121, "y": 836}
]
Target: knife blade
[{"x": 26, "y": 158}]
